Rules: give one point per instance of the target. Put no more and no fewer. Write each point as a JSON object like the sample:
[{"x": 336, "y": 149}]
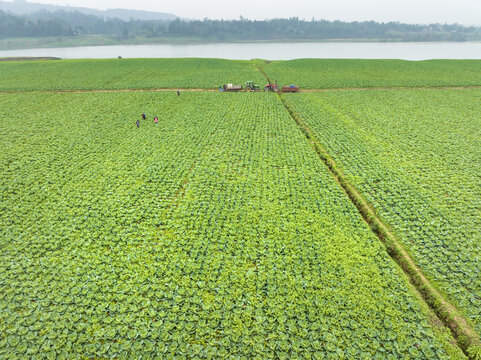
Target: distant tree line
[
  {"x": 293, "y": 28},
  {"x": 12, "y": 26},
  {"x": 64, "y": 23}
]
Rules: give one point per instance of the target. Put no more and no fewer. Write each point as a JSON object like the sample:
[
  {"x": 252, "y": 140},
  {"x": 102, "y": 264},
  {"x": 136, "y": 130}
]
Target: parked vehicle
[
  {"x": 272, "y": 87},
  {"x": 250, "y": 86},
  {"x": 232, "y": 87},
  {"x": 290, "y": 88}
]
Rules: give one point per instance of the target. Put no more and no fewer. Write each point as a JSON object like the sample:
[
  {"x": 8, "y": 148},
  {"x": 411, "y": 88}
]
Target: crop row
[
  {"x": 216, "y": 233},
  {"x": 415, "y": 156}
]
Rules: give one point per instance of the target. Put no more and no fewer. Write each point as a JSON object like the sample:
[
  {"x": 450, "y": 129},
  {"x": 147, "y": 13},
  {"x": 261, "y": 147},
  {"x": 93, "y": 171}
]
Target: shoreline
[{"x": 11, "y": 44}]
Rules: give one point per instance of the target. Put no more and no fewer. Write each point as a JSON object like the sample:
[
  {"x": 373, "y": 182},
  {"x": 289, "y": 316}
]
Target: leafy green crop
[
  {"x": 125, "y": 74},
  {"x": 328, "y": 73},
  {"x": 216, "y": 233},
  {"x": 210, "y": 73},
  {"x": 416, "y": 157}
]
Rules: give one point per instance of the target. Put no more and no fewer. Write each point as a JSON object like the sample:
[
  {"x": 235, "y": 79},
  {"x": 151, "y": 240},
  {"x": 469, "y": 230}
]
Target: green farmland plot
[
  {"x": 124, "y": 74},
  {"x": 355, "y": 73},
  {"x": 216, "y": 233},
  {"x": 112, "y": 74},
  {"x": 415, "y": 155}
]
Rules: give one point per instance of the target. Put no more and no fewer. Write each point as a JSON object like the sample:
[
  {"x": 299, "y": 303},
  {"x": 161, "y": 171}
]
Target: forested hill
[
  {"x": 67, "y": 23},
  {"x": 21, "y": 7}
]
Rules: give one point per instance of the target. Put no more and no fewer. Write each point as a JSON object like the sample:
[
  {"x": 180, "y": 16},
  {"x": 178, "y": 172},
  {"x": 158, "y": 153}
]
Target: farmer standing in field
[
  {"x": 156, "y": 119},
  {"x": 143, "y": 116},
  {"x": 137, "y": 123},
  {"x": 178, "y": 93}
]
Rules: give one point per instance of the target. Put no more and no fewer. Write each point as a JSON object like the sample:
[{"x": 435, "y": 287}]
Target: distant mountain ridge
[{"x": 21, "y": 7}]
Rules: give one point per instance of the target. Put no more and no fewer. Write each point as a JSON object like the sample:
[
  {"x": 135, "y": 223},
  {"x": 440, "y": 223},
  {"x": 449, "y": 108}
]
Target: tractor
[
  {"x": 250, "y": 86},
  {"x": 272, "y": 87}
]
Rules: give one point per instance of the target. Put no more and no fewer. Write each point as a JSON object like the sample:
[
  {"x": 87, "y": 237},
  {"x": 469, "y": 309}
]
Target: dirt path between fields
[
  {"x": 74, "y": 91},
  {"x": 467, "y": 87},
  {"x": 104, "y": 91}
]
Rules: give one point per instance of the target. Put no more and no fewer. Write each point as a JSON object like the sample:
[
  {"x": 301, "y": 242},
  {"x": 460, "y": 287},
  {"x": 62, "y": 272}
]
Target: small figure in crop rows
[
  {"x": 156, "y": 119},
  {"x": 178, "y": 93},
  {"x": 137, "y": 123},
  {"x": 143, "y": 116}
]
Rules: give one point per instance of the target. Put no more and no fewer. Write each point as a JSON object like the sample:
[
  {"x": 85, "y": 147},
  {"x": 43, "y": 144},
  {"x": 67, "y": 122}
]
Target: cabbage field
[
  {"x": 416, "y": 154},
  {"x": 357, "y": 73},
  {"x": 231, "y": 229},
  {"x": 108, "y": 74},
  {"x": 125, "y": 74}
]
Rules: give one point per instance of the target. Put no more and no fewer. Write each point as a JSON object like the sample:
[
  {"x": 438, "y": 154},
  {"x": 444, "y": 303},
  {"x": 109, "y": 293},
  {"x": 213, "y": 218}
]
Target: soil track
[
  {"x": 73, "y": 91},
  {"x": 394, "y": 88},
  {"x": 79, "y": 91}
]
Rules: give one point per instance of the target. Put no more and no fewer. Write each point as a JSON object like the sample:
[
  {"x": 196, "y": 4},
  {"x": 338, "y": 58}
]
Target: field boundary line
[
  {"x": 93, "y": 91},
  {"x": 264, "y": 73},
  {"x": 440, "y": 87},
  {"x": 467, "y": 338}
]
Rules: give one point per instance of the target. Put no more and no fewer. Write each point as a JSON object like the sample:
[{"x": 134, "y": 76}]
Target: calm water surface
[{"x": 278, "y": 51}]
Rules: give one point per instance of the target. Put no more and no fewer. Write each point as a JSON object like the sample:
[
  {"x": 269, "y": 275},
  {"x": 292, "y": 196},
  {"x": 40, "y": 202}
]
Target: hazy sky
[{"x": 410, "y": 11}]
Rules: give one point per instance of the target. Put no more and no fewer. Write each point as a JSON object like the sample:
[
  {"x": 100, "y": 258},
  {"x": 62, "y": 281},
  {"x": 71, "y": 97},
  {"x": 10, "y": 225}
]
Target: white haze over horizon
[{"x": 465, "y": 12}]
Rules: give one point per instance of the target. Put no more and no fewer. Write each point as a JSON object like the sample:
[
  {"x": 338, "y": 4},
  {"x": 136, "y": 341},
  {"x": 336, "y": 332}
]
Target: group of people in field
[
  {"x": 156, "y": 119},
  {"x": 144, "y": 117}
]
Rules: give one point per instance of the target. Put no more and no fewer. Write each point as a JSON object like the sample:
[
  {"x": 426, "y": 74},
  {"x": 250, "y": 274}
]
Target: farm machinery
[
  {"x": 232, "y": 87},
  {"x": 249, "y": 86},
  {"x": 285, "y": 89},
  {"x": 290, "y": 88},
  {"x": 272, "y": 87}
]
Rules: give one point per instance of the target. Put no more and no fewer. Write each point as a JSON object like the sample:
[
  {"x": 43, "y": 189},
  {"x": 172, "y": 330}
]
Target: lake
[{"x": 273, "y": 51}]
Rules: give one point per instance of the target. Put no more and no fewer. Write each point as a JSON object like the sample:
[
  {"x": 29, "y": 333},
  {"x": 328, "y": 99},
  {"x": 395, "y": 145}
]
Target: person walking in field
[
  {"x": 156, "y": 119},
  {"x": 137, "y": 123},
  {"x": 178, "y": 93},
  {"x": 143, "y": 116}
]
